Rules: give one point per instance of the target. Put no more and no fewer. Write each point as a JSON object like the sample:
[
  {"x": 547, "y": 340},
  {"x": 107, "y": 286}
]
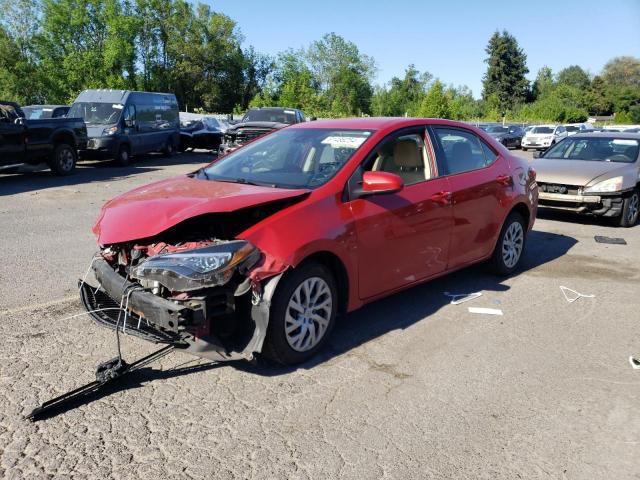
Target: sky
[{"x": 446, "y": 37}]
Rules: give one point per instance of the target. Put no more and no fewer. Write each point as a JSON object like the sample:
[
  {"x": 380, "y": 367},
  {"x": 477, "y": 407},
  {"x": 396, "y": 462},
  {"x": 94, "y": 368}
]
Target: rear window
[{"x": 542, "y": 130}]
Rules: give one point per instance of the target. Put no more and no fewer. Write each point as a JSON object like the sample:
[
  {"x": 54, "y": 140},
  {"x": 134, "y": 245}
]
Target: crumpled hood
[
  {"x": 272, "y": 125},
  {"x": 149, "y": 210},
  {"x": 573, "y": 172}
]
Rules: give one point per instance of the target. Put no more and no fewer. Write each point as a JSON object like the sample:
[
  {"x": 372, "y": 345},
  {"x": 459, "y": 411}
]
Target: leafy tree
[
  {"x": 574, "y": 76},
  {"x": 543, "y": 83},
  {"x": 622, "y": 71},
  {"x": 507, "y": 67},
  {"x": 436, "y": 102},
  {"x": 599, "y": 103},
  {"x": 403, "y": 96}
]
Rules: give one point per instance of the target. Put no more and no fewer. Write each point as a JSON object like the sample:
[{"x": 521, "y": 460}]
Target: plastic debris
[
  {"x": 571, "y": 295},
  {"x": 611, "y": 240},
  {"x": 635, "y": 363},
  {"x": 458, "y": 298},
  {"x": 485, "y": 311}
]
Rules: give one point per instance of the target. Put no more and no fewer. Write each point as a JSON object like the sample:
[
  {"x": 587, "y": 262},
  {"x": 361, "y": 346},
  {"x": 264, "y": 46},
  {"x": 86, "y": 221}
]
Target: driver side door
[{"x": 402, "y": 238}]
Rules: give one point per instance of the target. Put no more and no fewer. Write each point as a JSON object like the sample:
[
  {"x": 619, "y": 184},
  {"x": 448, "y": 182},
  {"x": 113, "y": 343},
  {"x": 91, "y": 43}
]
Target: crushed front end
[{"x": 195, "y": 295}]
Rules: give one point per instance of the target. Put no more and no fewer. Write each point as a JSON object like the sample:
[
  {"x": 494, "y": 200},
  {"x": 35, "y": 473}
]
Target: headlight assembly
[
  {"x": 198, "y": 268},
  {"x": 611, "y": 185},
  {"x": 110, "y": 131}
]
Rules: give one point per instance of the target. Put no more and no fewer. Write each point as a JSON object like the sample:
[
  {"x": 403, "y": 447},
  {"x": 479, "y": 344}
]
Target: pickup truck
[{"x": 55, "y": 141}]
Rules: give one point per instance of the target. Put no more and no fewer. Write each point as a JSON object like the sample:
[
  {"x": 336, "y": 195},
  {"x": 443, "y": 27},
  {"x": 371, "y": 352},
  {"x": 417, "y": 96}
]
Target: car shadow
[
  {"x": 396, "y": 312},
  {"x": 416, "y": 304},
  {"x": 30, "y": 178}
]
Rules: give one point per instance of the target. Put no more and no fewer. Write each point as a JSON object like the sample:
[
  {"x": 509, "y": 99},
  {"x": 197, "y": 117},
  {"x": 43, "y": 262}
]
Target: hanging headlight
[{"x": 198, "y": 268}]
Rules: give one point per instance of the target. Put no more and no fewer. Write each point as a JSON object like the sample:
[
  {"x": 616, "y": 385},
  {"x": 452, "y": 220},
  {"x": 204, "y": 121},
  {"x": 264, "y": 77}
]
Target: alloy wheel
[
  {"x": 65, "y": 160},
  {"x": 512, "y": 244},
  {"x": 308, "y": 314}
]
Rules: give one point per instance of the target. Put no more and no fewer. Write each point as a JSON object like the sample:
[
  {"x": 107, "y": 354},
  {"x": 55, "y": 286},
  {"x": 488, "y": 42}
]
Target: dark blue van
[{"x": 122, "y": 123}]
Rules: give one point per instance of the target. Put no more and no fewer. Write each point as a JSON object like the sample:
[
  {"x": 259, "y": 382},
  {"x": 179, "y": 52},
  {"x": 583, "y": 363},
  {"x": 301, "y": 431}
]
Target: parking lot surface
[{"x": 409, "y": 387}]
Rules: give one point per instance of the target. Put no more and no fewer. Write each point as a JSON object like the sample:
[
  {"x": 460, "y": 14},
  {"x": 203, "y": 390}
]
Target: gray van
[{"x": 122, "y": 123}]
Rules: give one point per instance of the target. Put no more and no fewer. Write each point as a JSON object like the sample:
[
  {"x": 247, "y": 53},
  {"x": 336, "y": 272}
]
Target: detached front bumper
[
  {"x": 599, "y": 205},
  {"x": 191, "y": 325}
]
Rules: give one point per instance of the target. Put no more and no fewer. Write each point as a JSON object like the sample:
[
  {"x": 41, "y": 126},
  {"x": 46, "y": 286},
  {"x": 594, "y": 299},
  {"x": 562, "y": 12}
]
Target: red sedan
[{"x": 260, "y": 250}]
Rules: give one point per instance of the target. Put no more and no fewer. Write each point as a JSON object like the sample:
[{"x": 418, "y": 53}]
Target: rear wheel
[
  {"x": 63, "y": 159},
  {"x": 302, "y": 314},
  {"x": 123, "y": 157},
  {"x": 510, "y": 246},
  {"x": 630, "y": 210}
]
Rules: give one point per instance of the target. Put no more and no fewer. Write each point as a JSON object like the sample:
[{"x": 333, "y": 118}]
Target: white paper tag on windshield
[
  {"x": 290, "y": 112},
  {"x": 622, "y": 141},
  {"x": 343, "y": 142},
  {"x": 117, "y": 106}
]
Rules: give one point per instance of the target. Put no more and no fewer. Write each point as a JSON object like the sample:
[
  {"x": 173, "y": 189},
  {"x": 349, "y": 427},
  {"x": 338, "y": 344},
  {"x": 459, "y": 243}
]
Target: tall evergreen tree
[{"x": 507, "y": 67}]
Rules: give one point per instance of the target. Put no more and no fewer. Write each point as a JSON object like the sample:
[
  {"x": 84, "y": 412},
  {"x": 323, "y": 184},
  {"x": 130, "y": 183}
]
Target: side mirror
[
  {"x": 537, "y": 154},
  {"x": 130, "y": 123},
  {"x": 20, "y": 121},
  {"x": 380, "y": 183}
]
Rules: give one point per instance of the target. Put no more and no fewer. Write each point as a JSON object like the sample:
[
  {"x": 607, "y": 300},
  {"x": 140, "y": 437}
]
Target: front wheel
[
  {"x": 168, "y": 149},
  {"x": 510, "y": 246},
  {"x": 63, "y": 160},
  {"x": 123, "y": 157},
  {"x": 302, "y": 314},
  {"x": 630, "y": 210}
]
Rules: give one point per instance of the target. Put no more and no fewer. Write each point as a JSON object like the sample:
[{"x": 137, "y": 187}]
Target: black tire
[
  {"x": 524, "y": 149},
  {"x": 168, "y": 150},
  {"x": 498, "y": 264},
  {"x": 63, "y": 159},
  {"x": 276, "y": 345},
  {"x": 630, "y": 210},
  {"x": 123, "y": 157}
]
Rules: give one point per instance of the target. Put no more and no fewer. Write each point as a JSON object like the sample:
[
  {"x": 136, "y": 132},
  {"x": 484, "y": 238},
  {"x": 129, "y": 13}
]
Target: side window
[
  {"x": 462, "y": 151},
  {"x": 129, "y": 114},
  {"x": 404, "y": 155},
  {"x": 489, "y": 155}
]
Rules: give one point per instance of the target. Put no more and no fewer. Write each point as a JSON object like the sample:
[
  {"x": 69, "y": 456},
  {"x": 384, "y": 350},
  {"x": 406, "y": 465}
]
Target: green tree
[
  {"x": 543, "y": 83},
  {"x": 507, "y": 67},
  {"x": 435, "y": 103},
  {"x": 622, "y": 71},
  {"x": 574, "y": 76},
  {"x": 403, "y": 96}
]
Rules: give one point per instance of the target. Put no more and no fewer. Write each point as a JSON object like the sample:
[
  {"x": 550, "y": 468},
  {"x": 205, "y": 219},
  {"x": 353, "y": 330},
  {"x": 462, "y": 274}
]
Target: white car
[
  {"x": 573, "y": 128},
  {"x": 542, "y": 137}
]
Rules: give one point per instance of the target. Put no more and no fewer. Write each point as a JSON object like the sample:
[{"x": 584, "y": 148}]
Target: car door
[
  {"x": 131, "y": 128},
  {"x": 403, "y": 237},
  {"x": 480, "y": 182},
  {"x": 12, "y": 141}
]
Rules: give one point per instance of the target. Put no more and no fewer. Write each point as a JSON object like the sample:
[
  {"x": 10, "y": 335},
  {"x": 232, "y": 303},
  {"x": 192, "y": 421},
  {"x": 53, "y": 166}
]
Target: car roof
[
  {"x": 377, "y": 123},
  {"x": 605, "y": 134}
]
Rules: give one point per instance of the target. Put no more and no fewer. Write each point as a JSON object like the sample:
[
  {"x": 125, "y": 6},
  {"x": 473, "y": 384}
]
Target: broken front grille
[{"x": 105, "y": 311}]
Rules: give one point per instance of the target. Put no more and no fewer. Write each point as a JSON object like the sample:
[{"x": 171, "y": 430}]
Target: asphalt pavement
[{"x": 409, "y": 386}]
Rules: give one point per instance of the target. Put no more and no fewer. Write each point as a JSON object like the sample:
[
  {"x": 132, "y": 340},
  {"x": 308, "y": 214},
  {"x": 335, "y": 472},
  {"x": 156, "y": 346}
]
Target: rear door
[
  {"x": 480, "y": 182},
  {"x": 404, "y": 237}
]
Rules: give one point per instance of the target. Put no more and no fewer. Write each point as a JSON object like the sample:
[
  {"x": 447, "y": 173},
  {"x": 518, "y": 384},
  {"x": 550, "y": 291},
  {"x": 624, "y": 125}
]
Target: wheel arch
[
  {"x": 64, "y": 137},
  {"x": 339, "y": 272},
  {"x": 523, "y": 210}
]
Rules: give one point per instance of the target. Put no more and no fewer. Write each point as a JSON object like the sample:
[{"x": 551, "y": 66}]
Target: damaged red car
[{"x": 259, "y": 251}]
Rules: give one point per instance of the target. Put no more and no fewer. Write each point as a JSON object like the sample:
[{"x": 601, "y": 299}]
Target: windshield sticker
[
  {"x": 292, "y": 112},
  {"x": 343, "y": 142},
  {"x": 117, "y": 106},
  {"x": 621, "y": 141}
]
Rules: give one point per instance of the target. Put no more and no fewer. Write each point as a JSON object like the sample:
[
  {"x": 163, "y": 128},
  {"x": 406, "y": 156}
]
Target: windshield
[
  {"x": 497, "y": 129},
  {"x": 547, "y": 130},
  {"x": 268, "y": 115},
  {"x": 95, "y": 113},
  {"x": 572, "y": 128},
  {"x": 211, "y": 123},
  {"x": 289, "y": 158},
  {"x": 595, "y": 149}
]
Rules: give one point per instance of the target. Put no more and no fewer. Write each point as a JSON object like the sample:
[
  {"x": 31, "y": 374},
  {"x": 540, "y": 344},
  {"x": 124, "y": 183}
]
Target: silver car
[{"x": 592, "y": 173}]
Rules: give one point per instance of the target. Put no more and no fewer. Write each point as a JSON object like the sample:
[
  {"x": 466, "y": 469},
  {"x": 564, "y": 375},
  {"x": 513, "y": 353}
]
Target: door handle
[
  {"x": 443, "y": 198},
  {"x": 504, "y": 180}
]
